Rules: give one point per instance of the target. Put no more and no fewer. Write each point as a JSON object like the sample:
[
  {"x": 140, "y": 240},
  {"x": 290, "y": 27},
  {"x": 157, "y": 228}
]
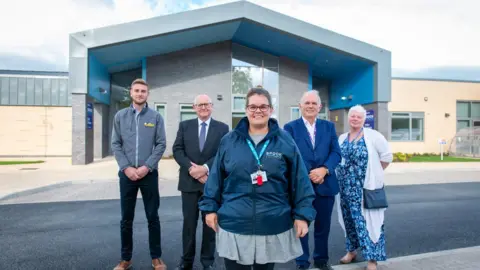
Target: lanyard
[
  {"x": 358, "y": 134},
  {"x": 258, "y": 156}
]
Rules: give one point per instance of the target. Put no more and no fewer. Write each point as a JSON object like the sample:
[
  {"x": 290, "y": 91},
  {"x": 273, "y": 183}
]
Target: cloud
[
  {"x": 40, "y": 29},
  {"x": 421, "y": 34},
  {"x": 424, "y": 34}
]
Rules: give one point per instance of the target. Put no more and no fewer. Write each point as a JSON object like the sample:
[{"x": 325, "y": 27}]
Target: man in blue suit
[{"x": 318, "y": 144}]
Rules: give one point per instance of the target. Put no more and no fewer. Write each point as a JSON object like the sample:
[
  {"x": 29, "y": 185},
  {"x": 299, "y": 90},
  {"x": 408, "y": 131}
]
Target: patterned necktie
[{"x": 203, "y": 132}]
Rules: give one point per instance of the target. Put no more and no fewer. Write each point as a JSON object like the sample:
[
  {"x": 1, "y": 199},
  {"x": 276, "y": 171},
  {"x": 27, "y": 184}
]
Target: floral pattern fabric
[{"x": 351, "y": 175}]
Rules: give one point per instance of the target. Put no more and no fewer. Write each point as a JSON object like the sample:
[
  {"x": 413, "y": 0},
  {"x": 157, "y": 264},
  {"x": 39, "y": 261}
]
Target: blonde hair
[{"x": 139, "y": 81}]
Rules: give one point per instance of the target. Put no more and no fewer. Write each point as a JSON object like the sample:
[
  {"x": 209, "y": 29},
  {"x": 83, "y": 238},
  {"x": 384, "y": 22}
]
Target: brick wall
[{"x": 178, "y": 77}]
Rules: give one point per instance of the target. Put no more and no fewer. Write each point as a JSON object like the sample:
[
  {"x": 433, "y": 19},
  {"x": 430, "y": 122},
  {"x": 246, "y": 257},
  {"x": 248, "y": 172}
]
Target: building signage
[
  {"x": 89, "y": 115},
  {"x": 370, "y": 120}
]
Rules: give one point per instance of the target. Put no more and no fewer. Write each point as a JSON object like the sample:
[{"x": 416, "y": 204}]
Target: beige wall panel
[
  {"x": 35, "y": 131},
  {"x": 442, "y": 96}
]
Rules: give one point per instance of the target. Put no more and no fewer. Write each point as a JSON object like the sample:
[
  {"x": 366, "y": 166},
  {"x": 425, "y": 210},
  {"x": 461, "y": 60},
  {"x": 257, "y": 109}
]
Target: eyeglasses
[
  {"x": 253, "y": 108},
  {"x": 203, "y": 105}
]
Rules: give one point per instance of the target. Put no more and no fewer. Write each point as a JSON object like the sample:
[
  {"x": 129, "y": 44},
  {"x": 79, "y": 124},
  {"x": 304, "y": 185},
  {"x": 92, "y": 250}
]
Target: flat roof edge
[
  {"x": 33, "y": 72},
  {"x": 434, "y": 79},
  {"x": 224, "y": 13}
]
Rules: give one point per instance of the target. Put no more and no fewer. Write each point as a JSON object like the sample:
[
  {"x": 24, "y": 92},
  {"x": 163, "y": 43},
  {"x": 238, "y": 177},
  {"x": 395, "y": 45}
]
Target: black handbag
[{"x": 375, "y": 199}]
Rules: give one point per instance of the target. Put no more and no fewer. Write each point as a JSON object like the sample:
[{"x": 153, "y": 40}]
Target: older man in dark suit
[{"x": 194, "y": 150}]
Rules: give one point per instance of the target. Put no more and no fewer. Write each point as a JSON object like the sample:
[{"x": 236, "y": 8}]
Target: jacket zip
[{"x": 136, "y": 139}]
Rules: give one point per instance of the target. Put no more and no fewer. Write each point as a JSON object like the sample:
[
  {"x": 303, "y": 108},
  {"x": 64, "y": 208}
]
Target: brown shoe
[
  {"x": 158, "y": 264},
  {"x": 123, "y": 265},
  {"x": 348, "y": 258}
]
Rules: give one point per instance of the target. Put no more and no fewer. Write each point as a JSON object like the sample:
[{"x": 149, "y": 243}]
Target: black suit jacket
[{"x": 186, "y": 149}]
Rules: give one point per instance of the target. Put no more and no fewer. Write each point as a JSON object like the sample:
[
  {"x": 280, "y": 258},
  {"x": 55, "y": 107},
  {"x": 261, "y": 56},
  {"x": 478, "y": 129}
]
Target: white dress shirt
[{"x": 311, "y": 129}]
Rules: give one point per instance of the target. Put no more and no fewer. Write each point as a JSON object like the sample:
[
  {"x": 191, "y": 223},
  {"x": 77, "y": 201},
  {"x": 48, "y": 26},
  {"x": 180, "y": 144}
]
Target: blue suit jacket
[{"x": 326, "y": 152}]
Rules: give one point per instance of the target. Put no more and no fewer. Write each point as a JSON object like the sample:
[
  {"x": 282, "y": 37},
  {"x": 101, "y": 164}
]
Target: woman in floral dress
[{"x": 365, "y": 154}]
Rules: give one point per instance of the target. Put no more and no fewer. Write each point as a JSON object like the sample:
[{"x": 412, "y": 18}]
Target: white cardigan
[{"x": 378, "y": 150}]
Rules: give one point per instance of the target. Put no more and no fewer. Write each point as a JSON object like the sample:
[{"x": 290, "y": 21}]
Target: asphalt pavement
[{"x": 85, "y": 234}]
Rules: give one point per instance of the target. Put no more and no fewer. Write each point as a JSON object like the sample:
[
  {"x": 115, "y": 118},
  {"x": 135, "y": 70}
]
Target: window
[
  {"x": 323, "y": 114},
  {"x": 239, "y": 103},
  {"x": 162, "y": 109},
  {"x": 294, "y": 113},
  {"x": 407, "y": 126},
  {"x": 187, "y": 112},
  {"x": 251, "y": 68},
  {"x": 468, "y": 114}
]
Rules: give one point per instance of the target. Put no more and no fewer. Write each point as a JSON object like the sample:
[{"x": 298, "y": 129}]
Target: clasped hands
[
  {"x": 317, "y": 176},
  {"x": 198, "y": 172},
  {"x": 301, "y": 226},
  {"x": 136, "y": 174}
]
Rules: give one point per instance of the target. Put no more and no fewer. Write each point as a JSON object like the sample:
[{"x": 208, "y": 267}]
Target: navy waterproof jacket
[{"x": 246, "y": 208}]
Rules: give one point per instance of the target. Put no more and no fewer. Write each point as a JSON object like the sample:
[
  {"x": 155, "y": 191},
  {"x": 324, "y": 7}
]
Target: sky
[{"x": 427, "y": 38}]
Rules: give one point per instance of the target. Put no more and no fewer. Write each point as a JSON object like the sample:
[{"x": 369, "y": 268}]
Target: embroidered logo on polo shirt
[
  {"x": 276, "y": 155},
  {"x": 149, "y": 124}
]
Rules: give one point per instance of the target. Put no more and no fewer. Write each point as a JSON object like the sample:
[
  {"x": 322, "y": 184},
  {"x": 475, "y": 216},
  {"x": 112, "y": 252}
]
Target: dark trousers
[
  {"x": 233, "y": 265},
  {"x": 190, "y": 219},
  {"x": 151, "y": 200},
  {"x": 324, "y": 206}
]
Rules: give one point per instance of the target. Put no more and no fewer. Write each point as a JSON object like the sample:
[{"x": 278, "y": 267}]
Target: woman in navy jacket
[{"x": 258, "y": 196}]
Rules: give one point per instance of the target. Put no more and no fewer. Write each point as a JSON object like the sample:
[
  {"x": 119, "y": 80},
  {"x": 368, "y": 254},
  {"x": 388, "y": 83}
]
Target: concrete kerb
[
  {"x": 35, "y": 190},
  {"x": 66, "y": 183},
  {"x": 448, "y": 254}
]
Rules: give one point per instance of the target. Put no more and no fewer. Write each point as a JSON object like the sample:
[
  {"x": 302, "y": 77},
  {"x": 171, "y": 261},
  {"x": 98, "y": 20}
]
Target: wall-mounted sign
[
  {"x": 89, "y": 115},
  {"x": 370, "y": 120}
]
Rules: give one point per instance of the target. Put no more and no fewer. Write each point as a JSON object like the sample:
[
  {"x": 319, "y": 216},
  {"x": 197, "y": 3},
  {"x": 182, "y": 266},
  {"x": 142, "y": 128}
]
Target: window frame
[
  {"x": 291, "y": 112},
  {"x": 181, "y": 109},
  {"x": 411, "y": 116},
  {"x": 158, "y": 104},
  {"x": 471, "y": 120},
  {"x": 242, "y": 110}
]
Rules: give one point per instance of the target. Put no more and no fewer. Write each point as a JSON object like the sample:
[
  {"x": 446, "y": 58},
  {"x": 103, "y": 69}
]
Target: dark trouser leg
[
  {"x": 268, "y": 266},
  {"x": 208, "y": 243},
  {"x": 151, "y": 201},
  {"x": 128, "y": 199},
  {"x": 324, "y": 207},
  {"x": 233, "y": 265},
  {"x": 189, "y": 231},
  {"x": 303, "y": 260}
]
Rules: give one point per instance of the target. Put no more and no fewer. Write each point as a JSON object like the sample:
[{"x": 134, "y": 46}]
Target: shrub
[{"x": 401, "y": 157}]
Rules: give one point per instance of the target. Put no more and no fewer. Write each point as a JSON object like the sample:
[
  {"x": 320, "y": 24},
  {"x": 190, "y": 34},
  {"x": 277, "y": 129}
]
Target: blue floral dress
[{"x": 351, "y": 175}]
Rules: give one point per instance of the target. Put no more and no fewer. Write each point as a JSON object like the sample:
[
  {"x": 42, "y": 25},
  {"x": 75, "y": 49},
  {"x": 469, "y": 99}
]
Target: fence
[{"x": 466, "y": 143}]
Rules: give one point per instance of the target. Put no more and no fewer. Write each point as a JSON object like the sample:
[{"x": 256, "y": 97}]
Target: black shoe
[
  {"x": 323, "y": 266},
  {"x": 184, "y": 266}
]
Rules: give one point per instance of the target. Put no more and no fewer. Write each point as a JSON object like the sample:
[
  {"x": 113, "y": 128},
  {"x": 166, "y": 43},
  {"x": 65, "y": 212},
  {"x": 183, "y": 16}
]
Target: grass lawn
[
  {"x": 17, "y": 162},
  {"x": 445, "y": 159}
]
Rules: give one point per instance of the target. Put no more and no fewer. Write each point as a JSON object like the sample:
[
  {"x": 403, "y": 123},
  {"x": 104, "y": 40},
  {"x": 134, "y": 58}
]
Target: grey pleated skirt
[{"x": 261, "y": 249}]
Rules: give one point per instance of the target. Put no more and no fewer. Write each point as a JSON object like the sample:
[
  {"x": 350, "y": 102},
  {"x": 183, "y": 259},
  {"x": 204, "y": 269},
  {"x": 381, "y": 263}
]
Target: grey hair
[
  {"x": 315, "y": 92},
  {"x": 359, "y": 109},
  {"x": 195, "y": 99}
]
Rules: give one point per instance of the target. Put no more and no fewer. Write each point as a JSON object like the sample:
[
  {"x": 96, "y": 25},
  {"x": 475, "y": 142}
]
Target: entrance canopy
[{"x": 358, "y": 73}]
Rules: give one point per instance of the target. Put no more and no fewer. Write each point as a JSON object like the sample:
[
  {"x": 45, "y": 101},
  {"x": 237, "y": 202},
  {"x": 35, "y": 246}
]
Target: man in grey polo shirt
[{"x": 138, "y": 143}]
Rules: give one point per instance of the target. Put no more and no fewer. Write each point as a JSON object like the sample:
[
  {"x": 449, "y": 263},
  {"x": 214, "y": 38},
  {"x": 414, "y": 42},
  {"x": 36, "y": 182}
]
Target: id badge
[{"x": 259, "y": 177}]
